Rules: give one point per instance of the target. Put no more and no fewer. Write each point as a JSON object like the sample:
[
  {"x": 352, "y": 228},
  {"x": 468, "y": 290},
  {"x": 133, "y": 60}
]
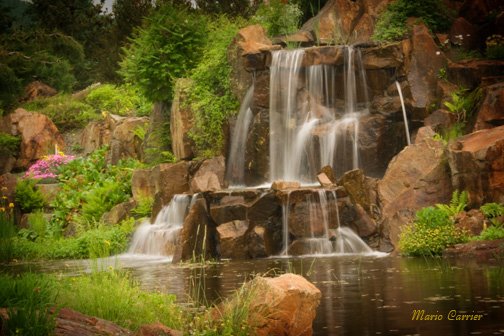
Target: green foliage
[
  {"x": 491, "y": 233},
  {"x": 165, "y": 49},
  {"x": 492, "y": 210},
  {"x": 9, "y": 145},
  {"x": 28, "y": 299},
  {"x": 10, "y": 87},
  {"x": 278, "y": 17},
  {"x": 90, "y": 187},
  {"x": 121, "y": 100},
  {"x": 448, "y": 135},
  {"x": 391, "y": 24},
  {"x": 66, "y": 113},
  {"x": 98, "y": 242},
  {"x": 38, "y": 223},
  {"x": 463, "y": 103},
  {"x": 433, "y": 229},
  {"x": 457, "y": 204},
  {"x": 131, "y": 308},
  {"x": 28, "y": 196},
  {"x": 209, "y": 93},
  {"x": 7, "y": 228},
  {"x": 144, "y": 207},
  {"x": 495, "y": 47}
]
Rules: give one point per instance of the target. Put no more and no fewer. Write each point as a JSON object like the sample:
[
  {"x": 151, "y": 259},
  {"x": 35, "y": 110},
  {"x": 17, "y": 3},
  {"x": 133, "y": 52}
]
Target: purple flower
[{"x": 47, "y": 166}]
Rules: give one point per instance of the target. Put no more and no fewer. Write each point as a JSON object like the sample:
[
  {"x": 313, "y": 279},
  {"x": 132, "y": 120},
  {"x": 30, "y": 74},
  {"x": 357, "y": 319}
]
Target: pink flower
[{"x": 47, "y": 166}]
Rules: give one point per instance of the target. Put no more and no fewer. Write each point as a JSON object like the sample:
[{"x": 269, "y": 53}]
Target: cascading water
[
  {"x": 236, "y": 162},
  {"x": 160, "y": 237},
  {"x": 304, "y": 110}
]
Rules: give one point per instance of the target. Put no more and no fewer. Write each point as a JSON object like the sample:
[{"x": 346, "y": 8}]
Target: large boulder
[
  {"x": 95, "y": 135},
  {"x": 471, "y": 73},
  {"x": 285, "y": 305},
  {"x": 125, "y": 143},
  {"x": 39, "y": 136},
  {"x": 477, "y": 165},
  {"x": 181, "y": 121},
  {"x": 232, "y": 239},
  {"x": 345, "y": 22},
  {"x": 426, "y": 60},
  {"x": 417, "y": 177},
  {"x": 491, "y": 112},
  {"x": 209, "y": 175}
]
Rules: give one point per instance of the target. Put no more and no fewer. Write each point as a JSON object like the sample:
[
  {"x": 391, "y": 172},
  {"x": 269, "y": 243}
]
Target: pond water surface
[{"x": 360, "y": 295}]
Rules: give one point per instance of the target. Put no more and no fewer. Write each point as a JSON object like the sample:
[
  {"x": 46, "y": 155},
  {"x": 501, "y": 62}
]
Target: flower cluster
[
  {"x": 5, "y": 205},
  {"x": 47, "y": 166},
  {"x": 494, "y": 40}
]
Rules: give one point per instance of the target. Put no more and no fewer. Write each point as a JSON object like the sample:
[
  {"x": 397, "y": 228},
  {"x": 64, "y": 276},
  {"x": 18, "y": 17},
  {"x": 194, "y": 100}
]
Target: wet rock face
[
  {"x": 285, "y": 305},
  {"x": 477, "y": 165}
]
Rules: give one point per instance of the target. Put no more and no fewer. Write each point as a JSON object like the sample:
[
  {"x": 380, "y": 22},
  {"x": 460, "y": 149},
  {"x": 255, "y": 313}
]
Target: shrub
[
  {"x": 48, "y": 166},
  {"x": 491, "y": 233},
  {"x": 431, "y": 232},
  {"x": 28, "y": 196},
  {"x": 144, "y": 207},
  {"x": 10, "y": 87},
  {"x": 210, "y": 95},
  {"x": 7, "y": 228},
  {"x": 492, "y": 210},
  {"x": 9, "y": 145},
  {"x": 121, "y": 100},
  {"x": 495, "y": 47},
  {"x": 66, "y": 113},
  {"x": 457, "y": 204},
  {"x": 463, "y": 103},
  {"x": 38, "y": 223},
  {"x": 278, "y": 17},
  {"x": 391, "y": 24},
  {"x": 166, "y": 48}
]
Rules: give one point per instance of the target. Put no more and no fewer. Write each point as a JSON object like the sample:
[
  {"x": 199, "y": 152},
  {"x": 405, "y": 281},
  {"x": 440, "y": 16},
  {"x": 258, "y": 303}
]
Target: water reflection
[{"x": 360, "y": 295}]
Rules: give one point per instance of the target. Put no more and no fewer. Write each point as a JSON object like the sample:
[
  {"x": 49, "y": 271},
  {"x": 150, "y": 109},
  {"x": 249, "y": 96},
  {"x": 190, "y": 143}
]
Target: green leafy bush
[
  {"x": 391, "y": 24},
  {"x": 278, "y": 17},
  {"x": 66, "y": 113},
  {"x": 495, "y": 47},
  {"x": 10, "y": 87},
  {"x": 28, "y": 196},
  {"x": 457, "y": 204},
  {"x": 209, "y": 92},
  {"x": 431, "y": 232},
  {"x": 9, "y": 145},
  {"x": 492, "y": 210},
  {"x": 38, "y": 223},
  {"x": 166, "y": 48},
  {"x": 7, "y": 228},
  {"x": 144, "y": 207},
  {"x": 122, "y": 100}
]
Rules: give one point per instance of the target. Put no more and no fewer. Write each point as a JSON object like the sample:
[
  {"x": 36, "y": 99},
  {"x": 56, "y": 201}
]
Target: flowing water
[
  {"x": 160, "y": 237},
  {"x": 304, "y": 112},
  {"x": 405, "y": 117},
  {"x": 360, "y": 295}
]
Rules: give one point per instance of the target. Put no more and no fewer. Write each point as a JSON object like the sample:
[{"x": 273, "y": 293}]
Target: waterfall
[
  {"x": 304, "y": 112},
  {"x": 160, "y": 238},
  {"x": 236, "y": 161},
  {"x": 285, "y": 227},
  {"x": 405, "y": 117}
]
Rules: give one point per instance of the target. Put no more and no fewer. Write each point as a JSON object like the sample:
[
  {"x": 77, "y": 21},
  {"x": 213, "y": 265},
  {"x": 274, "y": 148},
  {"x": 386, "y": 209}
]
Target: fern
[
  {"x": 457, "y": 204},
  {"x": 492, "y": 210}
]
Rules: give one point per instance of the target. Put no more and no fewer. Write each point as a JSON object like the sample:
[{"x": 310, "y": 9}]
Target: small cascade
[
  {"x": 327, "y": 236},
  {"x": 236, "y": 162},
  {"x": 309, "y": 127},
  {"x": 160, "y": 237}
]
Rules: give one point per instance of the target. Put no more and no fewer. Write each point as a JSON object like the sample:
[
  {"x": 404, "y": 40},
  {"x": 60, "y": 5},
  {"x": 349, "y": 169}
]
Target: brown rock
[
  {"x": 143, "y": 183},
  {"x": 417, "y": 177},
  {"x": 424, "y": 133},
  {"x": 477, "y": 11},
  {"x": 464, "y": 34},
  {"x": 472, "y": 221},
  {"x": 72, "y": 323},
  {"x": 206, "y": 182},
  {"x": 124, "y": 142},
  {"x": 169, "y": 179},
  {"x": 118, "y": 213},
  {"x": 215, "y": 165},
  {"x": 388, "y": 56},
  {"x": 257, "y": 242},
  {"x": 253, "y": 40},
  {"x": 440, "y": 119},
  {"x": 324, "y": 181},
  {"x": 198, "y": 235},
  {"x": 157, "y": 329},
  {"x": 283, "y": 185},
  {"x": 49, "y": 191},
  {"x": 232, "y": 239},
  {"x": 264, "y": 208},
  {"x": 332, "y": 55},
  {"x": 477, "y": 165},
  {"x": 8, "y": 186},
  {"x": 38, "y": 134},
  {"x": 364, "y": 225},
  {"x": 95, "y": 135},
  {"x": 480, "y": 250},
  {"x": 285, "y": 305},
  {"x": 470, "y": 73},
  {"x": 491, "y": 112},
  {"x": 426, "y": 60},
  {"x": 181, "y": 121},
  {"x": 228, "y": 212},
  {"x": 329, "y": 172},
  {"x": 360, "y": 188},
  {"x": 36, "y": 90}
]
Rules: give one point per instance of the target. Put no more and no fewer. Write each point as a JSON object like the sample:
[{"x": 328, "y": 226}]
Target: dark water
[{"x": 360, "y": 295}]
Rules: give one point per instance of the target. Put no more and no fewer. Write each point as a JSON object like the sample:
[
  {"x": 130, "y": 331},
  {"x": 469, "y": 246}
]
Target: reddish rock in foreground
[{"x": 483, "y": 250}]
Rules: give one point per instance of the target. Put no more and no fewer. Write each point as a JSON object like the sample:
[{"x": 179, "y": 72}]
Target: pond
[{"x": 360, "y": 295}]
